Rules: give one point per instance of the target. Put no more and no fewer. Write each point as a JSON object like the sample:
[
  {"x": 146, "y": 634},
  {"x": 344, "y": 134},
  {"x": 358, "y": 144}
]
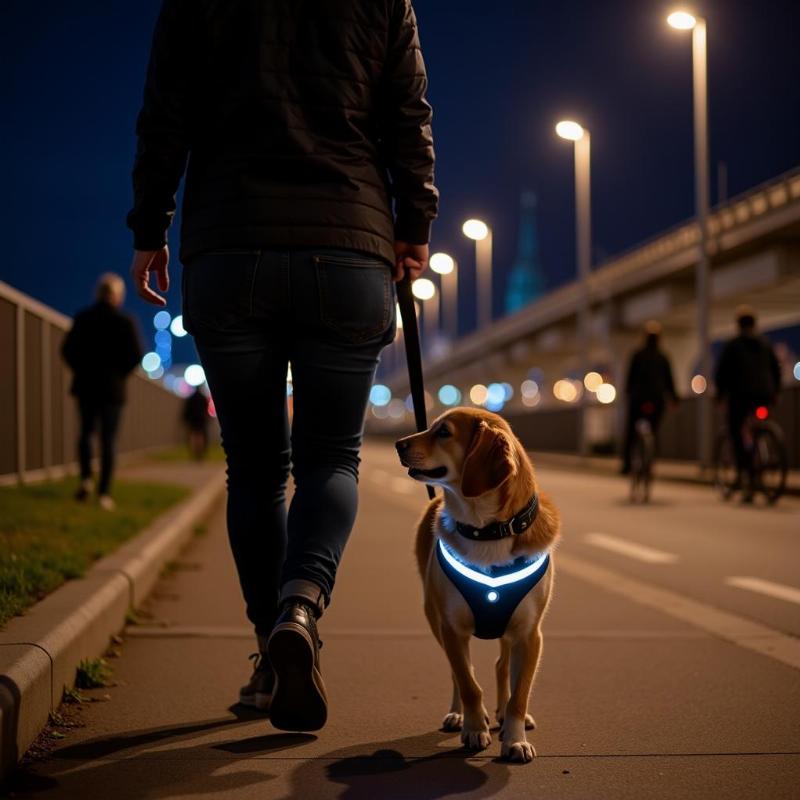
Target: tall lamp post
[
  {"x": 481, "y": 234},
  {"x": 572, "y": 131},
  {"x": 683, "y": 21},
  {"x": 445, "y": 266}
]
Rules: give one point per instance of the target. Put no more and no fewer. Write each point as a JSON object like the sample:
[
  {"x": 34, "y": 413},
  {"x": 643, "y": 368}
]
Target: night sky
[{"x": 501, "y": 74}]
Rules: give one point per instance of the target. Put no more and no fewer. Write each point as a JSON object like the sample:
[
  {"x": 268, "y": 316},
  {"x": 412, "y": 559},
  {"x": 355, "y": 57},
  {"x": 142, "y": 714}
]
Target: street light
[
  {"x": 481, "y": 233},
  {"x": 445, "y": 265},
  {"x": 682, "y": 20},
  {"x": 425, "y": 290},
  {"x": 574, "y": 132}
]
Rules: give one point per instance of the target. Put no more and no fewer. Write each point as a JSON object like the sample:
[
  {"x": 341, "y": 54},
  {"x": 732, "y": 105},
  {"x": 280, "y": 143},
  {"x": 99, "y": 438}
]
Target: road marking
[
  {"x": 731, "y": 627},
  {"x": 625, "y": 548},
  {"x": 779, "y": 590}
]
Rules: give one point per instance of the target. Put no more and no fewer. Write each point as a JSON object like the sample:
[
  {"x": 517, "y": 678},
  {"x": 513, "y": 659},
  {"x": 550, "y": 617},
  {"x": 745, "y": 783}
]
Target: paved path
[{"x": 645, "y": 690}]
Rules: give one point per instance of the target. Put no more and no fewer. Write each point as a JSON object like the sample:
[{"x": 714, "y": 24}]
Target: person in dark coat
[
  {"x": 649, "y": 386},
  {"x": 748, "y": 375},
  {"x": 306, "y": 140},
  {"x": 102, "y": 348}
]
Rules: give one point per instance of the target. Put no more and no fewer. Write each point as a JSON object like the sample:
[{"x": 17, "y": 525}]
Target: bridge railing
[{"x": 38, "y": 419}]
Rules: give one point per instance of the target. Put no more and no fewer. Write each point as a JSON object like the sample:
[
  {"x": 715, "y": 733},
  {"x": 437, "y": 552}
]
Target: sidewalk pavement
[
  {"x": 40, "y": 650},
  {"x": 630, "y": 702}
]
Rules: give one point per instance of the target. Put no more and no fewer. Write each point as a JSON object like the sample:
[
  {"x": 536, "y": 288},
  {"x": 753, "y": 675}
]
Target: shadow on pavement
[
  {"x": 126, "y": 767},
  {"x": 431, "y": 772}
]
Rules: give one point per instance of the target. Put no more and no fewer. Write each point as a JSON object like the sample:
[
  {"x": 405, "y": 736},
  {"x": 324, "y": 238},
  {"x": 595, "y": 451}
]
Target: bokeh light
[
  {"x": 681, "y": 20},
  {"x": 592, "y": 381},
  {"x": 531, "y": 401},
  {"x": 380, "y": 395},
  {"x": 478, "y": 394},
  {"x": 151, "y": 362},
  {"x": 194, "y": 375},
  {"x": 423, "y": 289},
  {"x": 796, "y": 371},
  {"x": 163, "y": 339},
  {"x": 529, "y": 389},
  {"x": 565, "y": 390},
  {"x": 449, "y": 395},
  {"x": 475, "y": 229},
  {"x": 699, "y": 384},
  {"x": 161, "y": 320},
  {"x": 606, "y": 393},
  {"x": 442, "y": 263},
  {"x": 177, "y": 326}
]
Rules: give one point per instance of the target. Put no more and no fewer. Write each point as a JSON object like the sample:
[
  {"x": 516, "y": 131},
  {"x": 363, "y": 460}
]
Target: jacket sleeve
[
  {"x": 405, "y": 128},
  {"x": 162, "y": 128},
  {"x": 71, "y": 347}
]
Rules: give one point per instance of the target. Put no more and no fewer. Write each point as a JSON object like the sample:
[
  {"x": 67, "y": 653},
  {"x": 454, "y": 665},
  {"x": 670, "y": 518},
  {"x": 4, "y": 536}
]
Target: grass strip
[{"x": 47, "y": 538}]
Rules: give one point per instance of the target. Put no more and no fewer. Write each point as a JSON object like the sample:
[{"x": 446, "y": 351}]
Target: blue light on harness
[{"x": 506, "y": 587}]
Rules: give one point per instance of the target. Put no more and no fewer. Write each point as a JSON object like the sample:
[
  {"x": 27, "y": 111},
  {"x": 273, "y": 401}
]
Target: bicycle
[{"x": 764, "y": 443}]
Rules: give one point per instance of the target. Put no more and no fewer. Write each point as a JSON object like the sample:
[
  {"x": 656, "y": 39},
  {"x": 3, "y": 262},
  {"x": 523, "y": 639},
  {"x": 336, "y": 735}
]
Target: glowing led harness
[{"x": 492, "y": 596}]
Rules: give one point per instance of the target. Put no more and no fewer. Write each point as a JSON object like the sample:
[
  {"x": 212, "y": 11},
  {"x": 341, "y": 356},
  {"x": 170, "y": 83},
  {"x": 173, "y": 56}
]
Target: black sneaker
[
  {"x": 299, "y": 702},
  {"x": 257, "y": 693}
]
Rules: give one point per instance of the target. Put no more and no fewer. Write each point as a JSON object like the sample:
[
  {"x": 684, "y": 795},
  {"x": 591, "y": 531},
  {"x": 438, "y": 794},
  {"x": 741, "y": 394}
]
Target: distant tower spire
[{"x": 525, "y": 281}]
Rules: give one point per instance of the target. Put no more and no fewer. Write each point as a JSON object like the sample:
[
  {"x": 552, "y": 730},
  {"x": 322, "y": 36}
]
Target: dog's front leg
[
  {"x": 524, "y": 660},
  {"x": 475, "y": 729}
]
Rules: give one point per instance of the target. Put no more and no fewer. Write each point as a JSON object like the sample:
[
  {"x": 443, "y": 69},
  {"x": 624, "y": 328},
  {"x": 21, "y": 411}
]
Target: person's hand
[
  {"x": 411, "y": 258},
  {"x": 145, "y": 262}
]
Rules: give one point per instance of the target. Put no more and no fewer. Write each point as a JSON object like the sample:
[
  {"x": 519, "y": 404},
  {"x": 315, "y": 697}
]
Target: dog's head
[{"x": 469, "y": 450}]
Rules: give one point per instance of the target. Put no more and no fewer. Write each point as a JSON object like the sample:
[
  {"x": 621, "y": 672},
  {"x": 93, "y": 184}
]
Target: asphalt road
[{"x": 660, "y": 678}]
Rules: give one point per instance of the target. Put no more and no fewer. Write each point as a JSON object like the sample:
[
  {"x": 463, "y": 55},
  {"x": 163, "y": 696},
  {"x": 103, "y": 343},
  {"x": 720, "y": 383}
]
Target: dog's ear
[{"x": 488, "y": 463}]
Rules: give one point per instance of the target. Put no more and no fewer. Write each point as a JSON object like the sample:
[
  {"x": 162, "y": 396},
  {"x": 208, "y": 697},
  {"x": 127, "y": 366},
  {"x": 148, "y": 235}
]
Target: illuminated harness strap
[{"x": 492, "y": 595}]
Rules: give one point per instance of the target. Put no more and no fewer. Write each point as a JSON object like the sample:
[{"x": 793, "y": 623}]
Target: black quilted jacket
[{"x": 301, "y": 121}]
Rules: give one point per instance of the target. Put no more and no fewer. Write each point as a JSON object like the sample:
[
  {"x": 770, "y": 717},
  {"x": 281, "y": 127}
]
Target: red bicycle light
[{"x": 762, "y": 412}]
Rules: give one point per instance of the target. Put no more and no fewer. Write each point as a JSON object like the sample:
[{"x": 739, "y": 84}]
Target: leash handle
[{"x": 408, "y": 314}]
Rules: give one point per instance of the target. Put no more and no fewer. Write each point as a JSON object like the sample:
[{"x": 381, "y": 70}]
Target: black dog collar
[{"x": 518, "y": 524}]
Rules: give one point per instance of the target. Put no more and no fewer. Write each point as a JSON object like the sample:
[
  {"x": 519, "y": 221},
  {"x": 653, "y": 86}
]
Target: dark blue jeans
[{"x": 328, "y": 313}]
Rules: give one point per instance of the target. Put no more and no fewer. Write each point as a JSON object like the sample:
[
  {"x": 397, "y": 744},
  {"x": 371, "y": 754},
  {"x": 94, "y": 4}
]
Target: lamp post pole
[
  {"x": 481, "y": 233},
  {"x": 572, "y": 131},
  {"x": 682, "y": 20}
]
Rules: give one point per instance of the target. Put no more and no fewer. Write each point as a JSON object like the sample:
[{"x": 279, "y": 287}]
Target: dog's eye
[{"x": 443, "y": 432}]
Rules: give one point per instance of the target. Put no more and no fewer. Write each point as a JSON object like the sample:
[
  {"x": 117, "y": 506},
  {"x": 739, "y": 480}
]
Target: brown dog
[{"x": 491, "y": 527}]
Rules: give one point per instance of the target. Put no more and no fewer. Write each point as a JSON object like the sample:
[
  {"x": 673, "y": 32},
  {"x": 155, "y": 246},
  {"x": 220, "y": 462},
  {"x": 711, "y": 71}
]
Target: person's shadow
[{"x": 126, "y": 767}]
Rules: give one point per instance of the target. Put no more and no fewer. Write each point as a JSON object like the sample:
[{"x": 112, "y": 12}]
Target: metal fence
[{"x": 38, "y": 419}]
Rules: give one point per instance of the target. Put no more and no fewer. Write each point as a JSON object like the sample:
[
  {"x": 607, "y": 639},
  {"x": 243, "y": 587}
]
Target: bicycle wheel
[
  {"x": 724, "y": 466},
  {"x": 769, "y": 461},
  {"x": 641, "y": 466}
]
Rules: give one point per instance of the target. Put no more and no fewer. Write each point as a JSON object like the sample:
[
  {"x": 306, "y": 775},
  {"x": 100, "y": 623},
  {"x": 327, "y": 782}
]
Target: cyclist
[
  {"x": 649, "y": 385},
  {"x": 748, "y": 376}
]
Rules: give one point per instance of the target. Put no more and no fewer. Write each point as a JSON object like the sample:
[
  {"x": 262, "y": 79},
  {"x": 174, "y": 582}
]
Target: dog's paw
[
  {"x": 530, "y": 722},
  {"x": 518, "y": 752},
  {"x": 476, "y": 739},
  {"x": 452, "y": 721}
]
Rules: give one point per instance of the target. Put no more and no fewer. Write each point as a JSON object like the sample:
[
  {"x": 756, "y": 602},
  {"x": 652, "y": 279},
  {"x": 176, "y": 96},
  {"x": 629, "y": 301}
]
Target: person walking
[
  {"x": 309, "y": 188},
  {"x": 748, "y": 375},
  {"x": 101, "y": 348},
  {"x": 649, "y": 386}
]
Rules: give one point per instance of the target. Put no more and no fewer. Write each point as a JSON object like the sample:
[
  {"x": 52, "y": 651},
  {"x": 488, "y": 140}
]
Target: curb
[{"x": 41, "y": 650}]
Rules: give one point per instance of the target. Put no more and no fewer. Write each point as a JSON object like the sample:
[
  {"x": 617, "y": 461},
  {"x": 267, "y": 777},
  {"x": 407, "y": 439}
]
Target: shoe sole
[
  {"x": 259, "y": 700},
  {"x": 299, "y": 702}
]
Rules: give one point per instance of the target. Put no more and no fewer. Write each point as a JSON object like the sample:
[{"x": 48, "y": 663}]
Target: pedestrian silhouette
[
  {"x": 305, "y": 136},
  {"x": 649, "y": 386},
  {"x": 748, "y": 375},
  {"x": 102, "y": 348}
]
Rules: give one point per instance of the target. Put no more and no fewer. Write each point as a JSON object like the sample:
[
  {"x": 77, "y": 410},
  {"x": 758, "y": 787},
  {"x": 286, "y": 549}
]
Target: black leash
[{"x": 408, "y": 313}]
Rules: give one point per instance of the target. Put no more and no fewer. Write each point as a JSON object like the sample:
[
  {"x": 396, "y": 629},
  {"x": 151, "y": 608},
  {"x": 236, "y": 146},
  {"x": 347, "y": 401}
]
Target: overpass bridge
[{"x": 754, "y": 249}]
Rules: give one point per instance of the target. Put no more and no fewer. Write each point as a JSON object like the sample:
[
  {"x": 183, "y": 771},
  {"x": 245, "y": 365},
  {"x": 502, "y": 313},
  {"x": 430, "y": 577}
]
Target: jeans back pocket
[
  {"x": 356, "y": 295},
  {"x": 217, "y": 289}
]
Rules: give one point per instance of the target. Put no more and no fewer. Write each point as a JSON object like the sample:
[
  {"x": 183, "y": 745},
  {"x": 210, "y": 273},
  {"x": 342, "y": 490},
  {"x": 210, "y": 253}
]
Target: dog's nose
[{"x": 402, "y": 446}]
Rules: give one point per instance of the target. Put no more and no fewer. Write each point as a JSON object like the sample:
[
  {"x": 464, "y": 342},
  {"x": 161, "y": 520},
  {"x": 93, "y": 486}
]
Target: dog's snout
[{"x": 402, "y": 446}]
